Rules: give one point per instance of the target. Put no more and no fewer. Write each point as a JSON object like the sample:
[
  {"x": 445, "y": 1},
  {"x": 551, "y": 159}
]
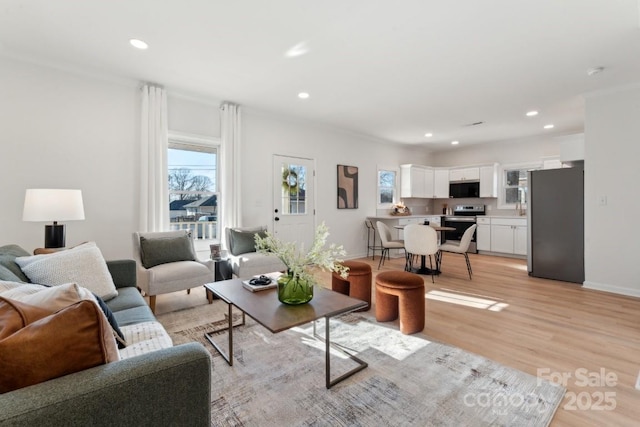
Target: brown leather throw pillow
[
  {"x": 15, "y": 316},
  {"x": 36, "y": 346}
]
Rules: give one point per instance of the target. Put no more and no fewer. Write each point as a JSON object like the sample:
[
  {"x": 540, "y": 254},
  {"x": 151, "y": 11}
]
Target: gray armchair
[
  {"x": 166, "y": 262},
  {"x": 244, "y": 260}
]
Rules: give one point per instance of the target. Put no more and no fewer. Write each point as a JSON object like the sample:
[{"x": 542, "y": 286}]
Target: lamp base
[{"x": 54, "y": 236}]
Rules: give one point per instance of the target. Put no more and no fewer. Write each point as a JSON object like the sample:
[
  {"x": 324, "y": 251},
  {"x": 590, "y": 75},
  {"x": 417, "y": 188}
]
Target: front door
[{"x": 293, "y": 200}]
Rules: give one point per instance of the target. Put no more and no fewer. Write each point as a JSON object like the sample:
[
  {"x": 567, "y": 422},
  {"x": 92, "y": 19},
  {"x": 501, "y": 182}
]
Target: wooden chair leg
[
  {"x": 466, "y": 257},
  {"x": 152, "y": 303}
]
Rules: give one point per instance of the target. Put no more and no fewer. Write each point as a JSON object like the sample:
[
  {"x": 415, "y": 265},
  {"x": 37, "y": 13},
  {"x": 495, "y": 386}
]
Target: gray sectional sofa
[{"x": 171, "y": 386}]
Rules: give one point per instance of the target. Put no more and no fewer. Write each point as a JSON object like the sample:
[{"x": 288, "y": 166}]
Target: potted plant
[{"x": 296, "y": 285}]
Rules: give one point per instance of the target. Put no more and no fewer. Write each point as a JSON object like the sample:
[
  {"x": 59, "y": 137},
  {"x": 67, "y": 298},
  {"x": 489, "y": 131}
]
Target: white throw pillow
[
  {"x": 83, "y": 264},
  {"x": 51, "y": 298},
  {"x": 21, "y": 287}
]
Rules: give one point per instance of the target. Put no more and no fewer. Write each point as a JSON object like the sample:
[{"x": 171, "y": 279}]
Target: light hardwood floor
[{"x": 543, "y": 327}]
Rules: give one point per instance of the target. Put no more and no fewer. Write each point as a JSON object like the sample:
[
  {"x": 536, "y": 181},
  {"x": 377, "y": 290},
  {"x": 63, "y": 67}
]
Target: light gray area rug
[{"x": 279, "y": 379}]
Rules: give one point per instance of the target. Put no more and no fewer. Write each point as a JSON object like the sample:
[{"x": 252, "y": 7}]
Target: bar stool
[{"x": 371, "y": 240}]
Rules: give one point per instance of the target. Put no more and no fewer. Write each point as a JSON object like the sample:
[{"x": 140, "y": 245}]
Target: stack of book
[{"x": 262, "y": 282}]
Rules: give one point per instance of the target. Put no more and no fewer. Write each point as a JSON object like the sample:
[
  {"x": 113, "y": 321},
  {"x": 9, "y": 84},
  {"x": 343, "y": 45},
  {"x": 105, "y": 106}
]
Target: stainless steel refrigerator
[{"x": 555, "y": 217}]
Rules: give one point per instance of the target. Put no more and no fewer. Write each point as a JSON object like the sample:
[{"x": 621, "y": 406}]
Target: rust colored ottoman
[
  {"x": 403, "y": 292},
  {"x": 357, "y": 284}
]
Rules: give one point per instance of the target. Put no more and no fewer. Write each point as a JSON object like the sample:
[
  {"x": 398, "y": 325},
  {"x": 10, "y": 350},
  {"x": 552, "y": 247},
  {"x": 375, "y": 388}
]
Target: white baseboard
[{"x": 632, "y": 292}]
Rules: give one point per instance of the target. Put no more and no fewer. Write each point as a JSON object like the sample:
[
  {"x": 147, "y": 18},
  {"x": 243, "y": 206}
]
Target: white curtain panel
[
  {"x": 230, "y": 167},
  {"x": 154, "y": 184}
]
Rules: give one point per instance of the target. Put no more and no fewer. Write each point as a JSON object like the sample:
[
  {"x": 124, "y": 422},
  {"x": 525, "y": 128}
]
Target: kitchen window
[
  {"x": 514, "y": 185},
  {"x": 387, "y": 188}
]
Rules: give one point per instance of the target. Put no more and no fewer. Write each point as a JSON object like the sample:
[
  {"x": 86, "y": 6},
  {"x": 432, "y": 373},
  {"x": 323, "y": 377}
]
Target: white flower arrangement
[
  {"x": 399, "y": 208},
  {"x": 298, "y": 263}
]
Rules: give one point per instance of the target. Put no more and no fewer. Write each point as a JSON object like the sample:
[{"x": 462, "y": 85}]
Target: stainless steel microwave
[{"x": 459, "y": 190}]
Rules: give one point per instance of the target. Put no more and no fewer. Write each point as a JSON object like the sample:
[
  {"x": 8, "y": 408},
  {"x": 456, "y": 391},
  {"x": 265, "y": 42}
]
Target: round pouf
[
  {"x": 400, "y": 292},
  {"x": 357, "y": 284}
]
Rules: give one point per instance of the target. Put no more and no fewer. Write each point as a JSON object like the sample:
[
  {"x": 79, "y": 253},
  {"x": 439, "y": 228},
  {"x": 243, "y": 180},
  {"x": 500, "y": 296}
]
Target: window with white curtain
[{"x": 194, "y": 197}]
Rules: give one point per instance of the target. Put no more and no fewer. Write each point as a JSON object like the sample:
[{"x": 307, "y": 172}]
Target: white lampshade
[{"x": 52, "y": 205}]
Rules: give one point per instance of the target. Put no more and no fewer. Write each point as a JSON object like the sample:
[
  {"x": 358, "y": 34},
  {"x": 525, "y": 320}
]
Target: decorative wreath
[{"x": 290, "y": 181}]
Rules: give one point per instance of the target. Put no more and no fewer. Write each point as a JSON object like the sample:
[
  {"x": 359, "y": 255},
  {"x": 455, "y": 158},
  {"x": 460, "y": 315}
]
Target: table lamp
[{"x": 53, "y": 205}]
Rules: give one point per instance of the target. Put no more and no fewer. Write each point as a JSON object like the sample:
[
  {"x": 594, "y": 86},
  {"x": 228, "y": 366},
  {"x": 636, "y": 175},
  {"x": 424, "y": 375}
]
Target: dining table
[{"x": 423, "y": 267}]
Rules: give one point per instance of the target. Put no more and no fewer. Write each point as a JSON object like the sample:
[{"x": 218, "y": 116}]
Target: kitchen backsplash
[{"x": 434, "y": 207}]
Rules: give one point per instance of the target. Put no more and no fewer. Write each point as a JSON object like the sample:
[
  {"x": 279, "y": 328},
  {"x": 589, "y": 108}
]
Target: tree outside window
[
  {"x": 193, "y": 196},
  {"x": 386, "y": 188},
  {"x": 515, "y": 185}
]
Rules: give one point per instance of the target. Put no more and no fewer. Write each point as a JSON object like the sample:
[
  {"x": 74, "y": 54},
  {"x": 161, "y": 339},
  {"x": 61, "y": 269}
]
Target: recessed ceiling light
[
  {"x": 428, "y": 135},
  {"x": 549, "y": 126},
  {"x": 138, "y": 44},
  {"x": 303, "y": 95},
  {"x": 455, "y": 142},
  {"x": 532, "y": 113},
  {"x": 594, "y": 70},
  {"x": 297, "y": 50}
]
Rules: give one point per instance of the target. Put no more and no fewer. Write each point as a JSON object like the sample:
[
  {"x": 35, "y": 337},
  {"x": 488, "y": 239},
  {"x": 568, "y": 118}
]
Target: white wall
[
  {"x": 67, "y": 130},
  {"x": 62, "y": 130},
  {"x": 193, "y": 116},
  {"x": 612, "y": 153},
  {"x": 265, "y": 135},
  {"x": 520, "y": 151}
]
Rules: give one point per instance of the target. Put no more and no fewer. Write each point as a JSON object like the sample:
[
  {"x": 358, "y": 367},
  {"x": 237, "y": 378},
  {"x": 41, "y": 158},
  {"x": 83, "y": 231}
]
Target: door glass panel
[{"x": 293, "y": 200}]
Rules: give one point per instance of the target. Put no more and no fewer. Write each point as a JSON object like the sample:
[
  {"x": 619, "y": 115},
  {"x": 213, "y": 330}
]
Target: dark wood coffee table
[{"x": 265, "y": 308}]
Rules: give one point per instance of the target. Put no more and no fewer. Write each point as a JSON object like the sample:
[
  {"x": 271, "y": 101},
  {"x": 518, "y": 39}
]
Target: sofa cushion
[
  {"x": 83, "y": 264},
  {"x": 6, "y": 274},
  {"x": 75, "y": 338},
  {"x": 120, "y": 339},
  {"x": 8, "y": 255},
  {"x": 54, "y": 298},
  {"x": 162, "y": 250},
  {"x": 7, "y": 285},
  {"x": 242, "y": 241},
  {"x": 127, "y": 298},
  {"x": 143, "y": 338},
  {"x": 134, "y": 315}
]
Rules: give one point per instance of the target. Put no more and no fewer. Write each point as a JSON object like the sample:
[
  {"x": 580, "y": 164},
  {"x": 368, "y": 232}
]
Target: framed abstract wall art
[{"x": 347, "y": 187}]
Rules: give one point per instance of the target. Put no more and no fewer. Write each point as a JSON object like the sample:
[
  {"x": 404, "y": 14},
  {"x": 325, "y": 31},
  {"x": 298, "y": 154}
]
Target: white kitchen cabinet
[
  {"x": 489, "y": 181},
  {"x": 509, "y": 235},
  {"x": 441, "y": 183},
  {"x": 520, "y": 240},
  {"x": 416, "y": 181},
  {"x": 464, "y": 174},
  {"x": 428, "y": 183},
  {"x": 483, "y": 234}
]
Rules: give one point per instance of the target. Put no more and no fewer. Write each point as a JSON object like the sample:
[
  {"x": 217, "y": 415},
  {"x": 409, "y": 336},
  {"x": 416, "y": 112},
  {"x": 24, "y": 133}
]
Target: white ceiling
[{"x": 393, "y": 70}]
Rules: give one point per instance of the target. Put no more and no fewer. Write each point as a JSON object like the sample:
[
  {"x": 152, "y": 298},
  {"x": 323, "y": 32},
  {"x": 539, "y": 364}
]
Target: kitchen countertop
[
  {"x": 440, "y": 215},
  {"x": 401, "y": 216},
  {"x": 507, "y": 216}
]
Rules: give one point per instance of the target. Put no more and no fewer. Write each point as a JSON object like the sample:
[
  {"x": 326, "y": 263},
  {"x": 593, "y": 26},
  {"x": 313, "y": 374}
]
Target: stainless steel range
[{"x": 464, "y": 216}]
